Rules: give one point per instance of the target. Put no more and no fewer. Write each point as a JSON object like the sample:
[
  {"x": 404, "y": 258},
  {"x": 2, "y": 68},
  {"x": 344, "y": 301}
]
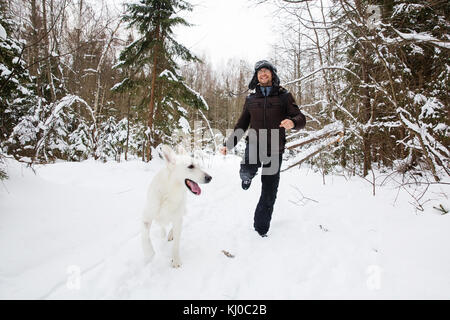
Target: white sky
[{"x": 225, "y": 29}]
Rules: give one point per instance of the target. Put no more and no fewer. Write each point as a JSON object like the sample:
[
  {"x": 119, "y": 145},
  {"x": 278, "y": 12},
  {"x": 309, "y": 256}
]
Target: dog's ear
[{"x": 168, "y": 154}]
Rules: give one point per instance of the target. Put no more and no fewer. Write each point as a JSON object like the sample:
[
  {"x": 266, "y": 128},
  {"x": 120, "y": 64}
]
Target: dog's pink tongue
[{"x": 194, "y": 187}]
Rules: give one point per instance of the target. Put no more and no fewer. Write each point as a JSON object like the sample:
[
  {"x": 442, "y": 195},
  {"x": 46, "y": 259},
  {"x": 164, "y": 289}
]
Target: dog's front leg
[
  {"x": 147, "y": 242},
  {"x": 176, "y": 233}
]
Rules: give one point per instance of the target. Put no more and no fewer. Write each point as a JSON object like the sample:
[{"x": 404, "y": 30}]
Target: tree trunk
[
  {"x": 48, "y": 52},
  {"x": 151, "y": 106},
  {"x": 365, "y": 116},
  {"x": 128, "y": 126},
  {"x": 319, "y": 52},
  {"x": 35, "y": 40},
  {"x": 77, "y": 58}
]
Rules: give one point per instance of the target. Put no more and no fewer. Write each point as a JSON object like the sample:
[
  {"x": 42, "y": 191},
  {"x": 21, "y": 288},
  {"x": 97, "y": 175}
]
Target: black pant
[{"x": 264, "y": 209}]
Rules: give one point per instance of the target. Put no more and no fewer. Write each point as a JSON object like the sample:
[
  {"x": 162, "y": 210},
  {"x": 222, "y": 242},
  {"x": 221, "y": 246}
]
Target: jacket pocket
[{"x": 274, "y": 104}]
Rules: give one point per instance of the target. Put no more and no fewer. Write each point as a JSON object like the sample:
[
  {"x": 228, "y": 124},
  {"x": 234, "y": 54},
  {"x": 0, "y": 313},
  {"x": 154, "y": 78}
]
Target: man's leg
[
  {"x": 264, "y": 209},
  {"x": 248, "y": 166}
]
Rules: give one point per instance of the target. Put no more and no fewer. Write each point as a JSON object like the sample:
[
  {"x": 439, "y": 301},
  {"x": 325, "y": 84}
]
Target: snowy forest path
[{"x": 332, "y": 240}]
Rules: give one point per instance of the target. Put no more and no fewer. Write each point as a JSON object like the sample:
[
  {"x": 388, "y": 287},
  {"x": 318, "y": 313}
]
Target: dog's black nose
[{"x": 208, "y": 178}]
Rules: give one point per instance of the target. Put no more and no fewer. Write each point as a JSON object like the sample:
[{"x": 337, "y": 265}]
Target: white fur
[{"x": 166, "y": 200}]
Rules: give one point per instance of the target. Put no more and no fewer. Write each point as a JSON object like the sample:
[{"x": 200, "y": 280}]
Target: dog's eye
[{"x": 191, "y": 166}]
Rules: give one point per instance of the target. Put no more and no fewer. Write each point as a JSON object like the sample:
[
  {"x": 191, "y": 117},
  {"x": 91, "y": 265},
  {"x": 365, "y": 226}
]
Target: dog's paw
[{"x": 176, "y": 263}]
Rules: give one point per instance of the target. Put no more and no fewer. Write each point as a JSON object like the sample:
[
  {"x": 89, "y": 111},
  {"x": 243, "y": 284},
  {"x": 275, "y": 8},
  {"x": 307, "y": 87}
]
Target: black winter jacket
[{"x": 262, "y": 112}]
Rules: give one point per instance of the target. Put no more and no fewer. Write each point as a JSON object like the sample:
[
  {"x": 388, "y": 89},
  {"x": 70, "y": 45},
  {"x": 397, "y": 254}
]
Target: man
[{"x": 269, "y": 111}]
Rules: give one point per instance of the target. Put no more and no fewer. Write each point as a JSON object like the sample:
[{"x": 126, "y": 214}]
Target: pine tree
[
  {"x": 402, "y": 61},
  {"x": 18, "y": 93},
  {"x": 419, "y": 30},
  {"x": 153, "y": 55}
]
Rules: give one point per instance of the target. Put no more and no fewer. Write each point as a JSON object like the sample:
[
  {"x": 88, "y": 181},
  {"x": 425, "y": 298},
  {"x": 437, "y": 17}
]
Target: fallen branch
[
  {"x": 229, "y": 255},
  {"x": 301, "y": 201}
]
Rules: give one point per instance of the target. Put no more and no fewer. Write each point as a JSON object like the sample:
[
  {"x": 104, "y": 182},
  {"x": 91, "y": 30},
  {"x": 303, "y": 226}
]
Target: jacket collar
[{"x": 274, "y": 92}]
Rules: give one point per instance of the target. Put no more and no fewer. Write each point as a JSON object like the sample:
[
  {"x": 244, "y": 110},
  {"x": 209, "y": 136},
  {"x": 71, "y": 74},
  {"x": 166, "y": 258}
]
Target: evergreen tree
[
  {"x": 16, "y": 87},
  {"x": 153, "y": 55},
  {"x": 400, "y": 98},
  {"x": 419, "y": 30}
]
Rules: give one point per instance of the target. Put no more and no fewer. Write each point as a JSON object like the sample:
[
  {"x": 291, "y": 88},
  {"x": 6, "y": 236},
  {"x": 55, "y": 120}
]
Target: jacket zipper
[{"x": 264, "y": 114}]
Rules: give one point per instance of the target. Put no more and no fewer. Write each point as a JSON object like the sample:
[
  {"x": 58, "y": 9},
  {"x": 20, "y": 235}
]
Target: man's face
[{"x": 264, "y": 77}]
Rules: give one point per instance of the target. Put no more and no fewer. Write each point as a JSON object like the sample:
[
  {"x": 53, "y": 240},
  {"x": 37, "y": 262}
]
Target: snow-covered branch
[{"x": 319, "y": 70}]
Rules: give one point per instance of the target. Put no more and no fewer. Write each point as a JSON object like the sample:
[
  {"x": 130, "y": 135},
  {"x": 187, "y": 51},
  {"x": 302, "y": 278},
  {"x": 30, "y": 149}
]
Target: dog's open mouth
[{"x": 193, "y": 187}]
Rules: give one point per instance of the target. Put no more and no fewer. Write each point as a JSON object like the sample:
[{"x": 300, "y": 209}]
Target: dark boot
[
  {"x": 248, "y": 170},
  {"x": 246, "y": 184}
]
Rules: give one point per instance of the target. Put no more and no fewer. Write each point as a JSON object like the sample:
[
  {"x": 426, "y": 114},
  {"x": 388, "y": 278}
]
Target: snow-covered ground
[{"x": 71, "y": 231}]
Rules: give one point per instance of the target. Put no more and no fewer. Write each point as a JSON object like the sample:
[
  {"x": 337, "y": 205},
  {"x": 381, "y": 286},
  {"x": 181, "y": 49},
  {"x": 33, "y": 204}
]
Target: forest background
[{"x": 79, "y": 80}]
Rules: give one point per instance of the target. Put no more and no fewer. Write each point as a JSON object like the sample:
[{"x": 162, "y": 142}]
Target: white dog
[{"x": 166, "y": 199}]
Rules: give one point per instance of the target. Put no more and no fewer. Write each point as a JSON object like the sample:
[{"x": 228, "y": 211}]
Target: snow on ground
[{"x": 71, "y": 231}]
